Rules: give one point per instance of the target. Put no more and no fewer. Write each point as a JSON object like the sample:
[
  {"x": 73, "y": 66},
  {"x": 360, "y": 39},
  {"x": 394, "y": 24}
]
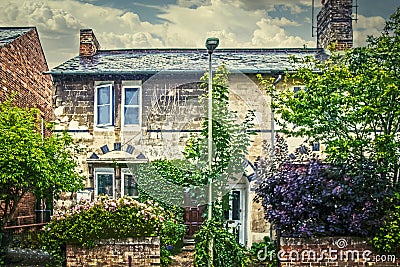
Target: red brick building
[{"x": 22, "y": 64}]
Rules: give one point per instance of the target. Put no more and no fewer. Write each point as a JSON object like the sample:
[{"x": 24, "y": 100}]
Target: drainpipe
[{"x": 277, "y": 80}]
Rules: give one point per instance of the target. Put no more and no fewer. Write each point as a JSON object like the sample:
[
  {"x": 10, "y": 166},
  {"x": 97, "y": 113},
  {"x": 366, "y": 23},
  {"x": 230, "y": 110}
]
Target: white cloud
[
  {"x": 284, "y": 22},
  {"x": 128, "y": 40},
  {"x": 366, "y": 26},
  {"x": 234, "y": 26},
  {"x": 294, "y": 6},
  {"x": 193, "y": 3},
  {"x": 57, "y": 28},
  {"x": 270, "y": 35},
  {"x": 190, "y": 27}
]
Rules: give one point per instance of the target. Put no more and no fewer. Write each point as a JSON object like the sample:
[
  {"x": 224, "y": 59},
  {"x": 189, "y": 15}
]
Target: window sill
[
  {"x": 135, "y": 127},
  {"x": 99, "y": 128}
]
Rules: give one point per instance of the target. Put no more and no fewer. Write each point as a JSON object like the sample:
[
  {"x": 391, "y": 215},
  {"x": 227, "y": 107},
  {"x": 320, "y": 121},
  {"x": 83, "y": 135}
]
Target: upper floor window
[
  {"x": 104, "y": 105},
  {"x": 131, "y": 105},
  {"x": 298, "y": 88}
]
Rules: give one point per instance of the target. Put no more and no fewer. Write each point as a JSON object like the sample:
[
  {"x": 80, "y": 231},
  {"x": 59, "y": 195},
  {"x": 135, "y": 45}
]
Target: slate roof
[
  {"x": 156, "y": 60},
  {"x": 9, "y": 34}
]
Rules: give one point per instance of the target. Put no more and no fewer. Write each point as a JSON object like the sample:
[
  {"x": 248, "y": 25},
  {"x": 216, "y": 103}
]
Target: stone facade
[
  {"x": 138, "y": 252},
  {"x": 334, "y": 24},
  {"x": 332, "y": 251}
]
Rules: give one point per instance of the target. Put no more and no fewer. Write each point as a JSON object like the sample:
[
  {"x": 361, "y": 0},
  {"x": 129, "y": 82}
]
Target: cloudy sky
[{"x": 179, "y": 23}]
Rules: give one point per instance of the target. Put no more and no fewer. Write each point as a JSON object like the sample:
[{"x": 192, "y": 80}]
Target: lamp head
[{"x": 211, "y": 44}]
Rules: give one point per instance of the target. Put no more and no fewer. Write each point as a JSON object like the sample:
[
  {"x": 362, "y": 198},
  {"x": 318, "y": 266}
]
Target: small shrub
[
  {"x": 171, "y": 235},
  {"x": 264, "y": 252},
  {"x": 227, "y": 252},
  {"x": 315, "y": 199},
  {"x": 388, "y": 237},
  {"x": 2, "y": 249}
]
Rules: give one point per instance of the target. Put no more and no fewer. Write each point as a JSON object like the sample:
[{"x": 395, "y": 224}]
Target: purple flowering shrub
[{"x": 317, "y": 199}]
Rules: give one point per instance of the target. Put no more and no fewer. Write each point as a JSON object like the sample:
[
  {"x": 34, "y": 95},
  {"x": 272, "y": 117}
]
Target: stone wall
[
  {"x": 332, "y": 251},
  {"x": 138, "y": 252}
]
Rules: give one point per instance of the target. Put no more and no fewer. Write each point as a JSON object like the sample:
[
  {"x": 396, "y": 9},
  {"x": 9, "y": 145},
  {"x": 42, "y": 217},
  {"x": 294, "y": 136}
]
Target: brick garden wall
[
  {"x": 138, "y": 252},
  {"x": 332, "y": 251}
]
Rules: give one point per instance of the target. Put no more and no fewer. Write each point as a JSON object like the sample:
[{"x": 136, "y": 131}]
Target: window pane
[
  {"x": 131, "y": 96},
  {"x": 103, "y": 115},
  {"x": 103, "y": 95},
  {"x": 131, "y": 115},
  {"x": 236, "y": 205},
  {"x": 130, "y": 186},
  {"x": 105, "y": 184}
]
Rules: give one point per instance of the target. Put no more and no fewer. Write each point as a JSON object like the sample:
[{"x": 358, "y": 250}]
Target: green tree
[
  {"x": 230, "y": 137},
  {"x": 351, "y": 103},
  {"x": 30, "y": 162}
]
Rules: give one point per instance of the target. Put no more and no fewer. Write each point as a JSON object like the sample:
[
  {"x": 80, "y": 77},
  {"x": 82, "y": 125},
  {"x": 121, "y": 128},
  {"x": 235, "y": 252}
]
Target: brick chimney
[
  {"x": 88, "y": 44},
  {"x": 335, "y": 24}
]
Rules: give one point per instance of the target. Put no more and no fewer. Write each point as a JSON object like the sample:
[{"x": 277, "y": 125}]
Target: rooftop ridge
[
  {"x": 16, "y": 27},
  {"x": 10, "y": 34},
  {"x": 204, "y": 49}
]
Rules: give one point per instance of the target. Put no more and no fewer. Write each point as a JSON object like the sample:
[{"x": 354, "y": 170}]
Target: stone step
[
  {"x": 188, "y": 241},
  {"x": 188, "y": 248}
]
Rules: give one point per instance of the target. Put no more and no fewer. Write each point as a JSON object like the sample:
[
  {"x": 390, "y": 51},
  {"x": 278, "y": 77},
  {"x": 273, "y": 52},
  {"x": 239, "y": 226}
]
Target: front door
[
  {"x": 235, "y": 216},
  {"x": 193, "y": 219}
]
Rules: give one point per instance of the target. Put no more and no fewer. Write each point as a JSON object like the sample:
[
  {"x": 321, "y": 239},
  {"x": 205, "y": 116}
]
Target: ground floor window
[
  {"x": 104, "y": 181},
  {"x": 128, "y": 184},
  {"x": 115, "y": 182}
]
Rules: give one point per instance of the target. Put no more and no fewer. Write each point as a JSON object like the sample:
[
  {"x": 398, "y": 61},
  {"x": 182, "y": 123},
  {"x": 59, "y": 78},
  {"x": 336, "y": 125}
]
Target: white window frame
[
  {"x": 241, "y": 222},
  {"x": 138, "y": 86},
  {"x": 125, "y": 172},
  {"x": 98, "y": 171},
  {"x": 300, "y": 86},
  {"x": 111, "y": 119}
]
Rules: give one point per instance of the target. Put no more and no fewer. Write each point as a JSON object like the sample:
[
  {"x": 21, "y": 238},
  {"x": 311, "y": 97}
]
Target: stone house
[
  {"x": 22, "y": 64},
  {"x": 136, "y": 105}
]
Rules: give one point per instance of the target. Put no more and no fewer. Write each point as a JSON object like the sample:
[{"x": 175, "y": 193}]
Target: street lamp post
[{"x": 211, "y": 45}]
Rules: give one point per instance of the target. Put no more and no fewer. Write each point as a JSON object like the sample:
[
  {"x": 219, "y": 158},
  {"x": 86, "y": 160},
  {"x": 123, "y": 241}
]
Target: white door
[{"x": 235, "y": 218}]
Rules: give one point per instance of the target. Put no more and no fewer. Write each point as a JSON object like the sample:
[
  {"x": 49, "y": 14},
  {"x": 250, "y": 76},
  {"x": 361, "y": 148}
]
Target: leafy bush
[
  {"x": 264, "y": 252},
  {"x": 111, "y": 218},
  {"x": 171, "y": 236},
  {"x": 227, "y": 251},
  {"x": 388, "y": 237},
  {"x": 2, "y": 249},
  {"x": 315, "y": 199}
]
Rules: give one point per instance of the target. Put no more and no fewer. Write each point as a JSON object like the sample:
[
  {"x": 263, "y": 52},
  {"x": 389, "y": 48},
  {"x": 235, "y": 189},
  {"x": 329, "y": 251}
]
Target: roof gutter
[{"x": 152, "y": 72}]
